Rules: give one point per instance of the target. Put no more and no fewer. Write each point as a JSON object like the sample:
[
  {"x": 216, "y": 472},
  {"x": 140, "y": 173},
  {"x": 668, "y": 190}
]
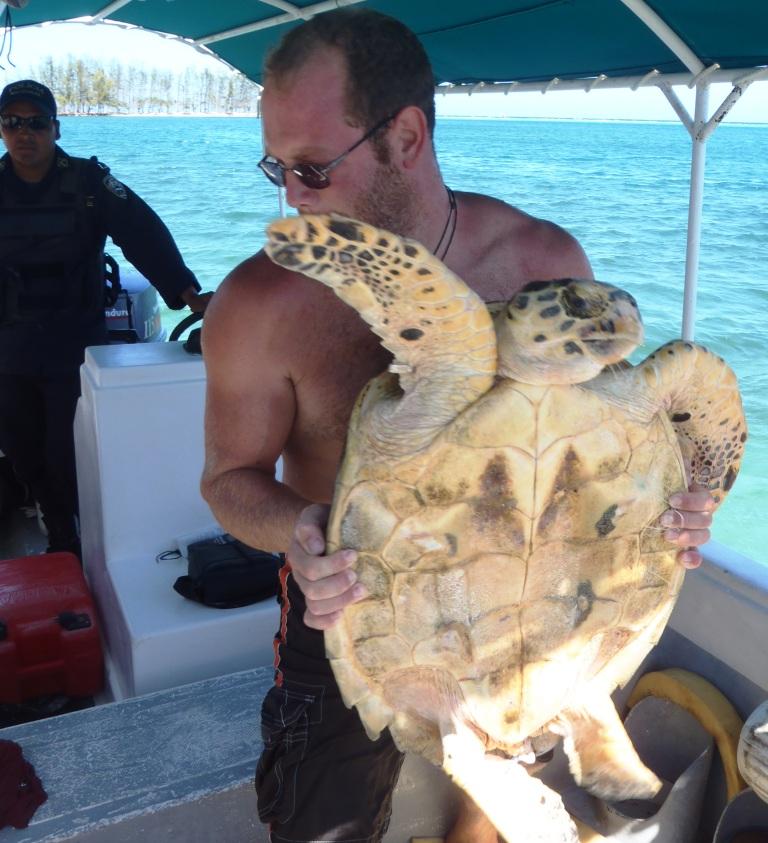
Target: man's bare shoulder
[
  {"x": 255, "y": 310},
  {"x": 257, "y": 280},
  {"x": 537, "y": 248}
]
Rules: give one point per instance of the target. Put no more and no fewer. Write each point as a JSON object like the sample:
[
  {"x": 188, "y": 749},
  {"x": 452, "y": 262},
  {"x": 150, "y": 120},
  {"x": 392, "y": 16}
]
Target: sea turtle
[{"x": 503, "y": 484}]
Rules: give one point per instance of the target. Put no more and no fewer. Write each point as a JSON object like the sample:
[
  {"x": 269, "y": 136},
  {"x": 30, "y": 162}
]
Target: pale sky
[{"x": 107, "y": 42}]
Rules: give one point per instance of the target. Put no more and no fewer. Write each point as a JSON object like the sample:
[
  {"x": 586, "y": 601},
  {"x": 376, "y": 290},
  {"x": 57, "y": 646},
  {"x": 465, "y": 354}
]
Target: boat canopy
[
  {"x": 500, "y": 45},
  {"x": 482, "y": 41}
]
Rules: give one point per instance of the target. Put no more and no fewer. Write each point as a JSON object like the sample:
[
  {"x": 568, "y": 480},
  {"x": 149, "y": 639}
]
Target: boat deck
[
  {"x": 20, "y": 534},
  {"x": 178, "y": 765}
]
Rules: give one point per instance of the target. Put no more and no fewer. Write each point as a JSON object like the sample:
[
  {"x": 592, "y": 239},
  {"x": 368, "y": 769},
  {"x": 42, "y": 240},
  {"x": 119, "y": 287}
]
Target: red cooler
[{"x": 49, "y": 634}]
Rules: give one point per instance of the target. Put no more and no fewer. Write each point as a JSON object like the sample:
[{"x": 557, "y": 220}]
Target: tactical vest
[{"x": 51, "y": 253}]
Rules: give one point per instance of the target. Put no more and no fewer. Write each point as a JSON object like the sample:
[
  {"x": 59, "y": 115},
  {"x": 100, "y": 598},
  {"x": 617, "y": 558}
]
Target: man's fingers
[
  {"x": 679, "y": 520},
  {"x": 327, "y": 582},
  {"x": 687, "y": 538},
  {"x": 315, "y": 514},
  {"x": 312, "y": 568},
  {"x": 321, "y": 622},
  {"x": 323, "y": 614},
  {"x": 310, "y": 538},
  {"x": 697, "y": 500},
  {"x": 688, "y": 523},
  {"x": 689, "y": 558},
  {"x": 310, "y": 528},
  {"x": 324, "y": 588}
]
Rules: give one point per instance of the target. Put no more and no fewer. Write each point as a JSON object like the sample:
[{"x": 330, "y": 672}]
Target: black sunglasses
[
  {"x": 37, "y": 123},
  {"x": 314, "y": 176}
]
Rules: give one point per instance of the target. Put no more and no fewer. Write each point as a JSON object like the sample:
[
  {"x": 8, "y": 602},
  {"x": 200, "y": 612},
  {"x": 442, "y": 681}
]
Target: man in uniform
[
  {"x": 56, "y": 212},
  {"x": 285, "y": 360}
]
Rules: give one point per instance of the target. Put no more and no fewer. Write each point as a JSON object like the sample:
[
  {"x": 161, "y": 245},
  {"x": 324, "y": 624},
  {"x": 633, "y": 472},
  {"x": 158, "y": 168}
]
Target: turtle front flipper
[
  {"x": 438, "y": 329},
  {"x": 704, "y": 405},
  {"x": 699, "y": 393}
]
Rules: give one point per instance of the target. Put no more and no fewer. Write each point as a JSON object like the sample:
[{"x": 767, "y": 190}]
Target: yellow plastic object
[
  {"x": 708, "y": 705},
  {"x": 587, "y": 834}
]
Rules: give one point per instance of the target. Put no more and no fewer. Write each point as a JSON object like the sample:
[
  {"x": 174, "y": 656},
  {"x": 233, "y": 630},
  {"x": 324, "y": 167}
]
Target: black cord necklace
[{"x": 450, "y": 222}]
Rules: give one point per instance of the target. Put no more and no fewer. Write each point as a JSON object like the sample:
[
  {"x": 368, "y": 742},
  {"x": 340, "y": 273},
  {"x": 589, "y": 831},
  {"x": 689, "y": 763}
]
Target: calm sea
[{"x": 621, "y": 188}]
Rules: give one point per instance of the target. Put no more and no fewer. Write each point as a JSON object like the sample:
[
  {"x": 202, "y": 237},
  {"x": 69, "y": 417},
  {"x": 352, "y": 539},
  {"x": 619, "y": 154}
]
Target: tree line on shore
[{"x": 90, "y": 87}]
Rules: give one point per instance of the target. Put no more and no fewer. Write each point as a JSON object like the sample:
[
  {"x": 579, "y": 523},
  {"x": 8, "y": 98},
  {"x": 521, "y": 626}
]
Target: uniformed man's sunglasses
[
  {"x": 37, "y": 123},
  {"x": 314, "y": 176}
]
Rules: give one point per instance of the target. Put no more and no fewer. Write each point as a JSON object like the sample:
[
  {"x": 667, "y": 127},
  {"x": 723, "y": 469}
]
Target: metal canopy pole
[
  {"x": 295, "y": 13},
  {"x": 669, "y": 37},
  {"x": 109, "y": 9},
  {"x": 695, "y": 205},
  {"x": 700, "y": 128}
]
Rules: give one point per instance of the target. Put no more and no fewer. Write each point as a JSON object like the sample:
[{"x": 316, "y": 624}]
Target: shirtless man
[{"x": 285, "y": 360}]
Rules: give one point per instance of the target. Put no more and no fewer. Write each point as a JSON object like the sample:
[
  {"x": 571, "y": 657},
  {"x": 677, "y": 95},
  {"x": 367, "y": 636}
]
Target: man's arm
[
  {"x": 147, "y": 243},
  {"x": 250, "y": 408}
]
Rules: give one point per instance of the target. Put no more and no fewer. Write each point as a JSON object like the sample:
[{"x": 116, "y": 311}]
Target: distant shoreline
[
  {"x": 533, "y": 119},
  {"x": 530, "y": 119},
  {"x": 170, "y": 114}
]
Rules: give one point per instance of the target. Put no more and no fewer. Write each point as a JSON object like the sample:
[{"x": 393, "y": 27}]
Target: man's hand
[
  {"x": 688, "y": 523},
  {"x": 327, "y": 582},
  {"x": 196, "y": 302}
]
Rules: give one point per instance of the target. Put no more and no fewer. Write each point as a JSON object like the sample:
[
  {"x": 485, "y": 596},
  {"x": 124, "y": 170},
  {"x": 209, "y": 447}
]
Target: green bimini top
[{"x": 570, "y": 43}]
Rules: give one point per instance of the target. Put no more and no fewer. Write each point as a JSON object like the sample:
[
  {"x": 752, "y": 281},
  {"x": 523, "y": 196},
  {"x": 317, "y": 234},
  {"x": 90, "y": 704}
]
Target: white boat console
[{"x": 139, "y": 440}]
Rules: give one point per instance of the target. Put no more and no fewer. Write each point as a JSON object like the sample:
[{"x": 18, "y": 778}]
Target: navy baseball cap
[{"x": 27, "y": 90}]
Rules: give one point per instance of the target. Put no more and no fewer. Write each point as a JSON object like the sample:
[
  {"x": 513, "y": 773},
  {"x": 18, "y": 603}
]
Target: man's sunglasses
[
  {"x": 37, "y": 123},
  {"x": 314, "y": 176}
]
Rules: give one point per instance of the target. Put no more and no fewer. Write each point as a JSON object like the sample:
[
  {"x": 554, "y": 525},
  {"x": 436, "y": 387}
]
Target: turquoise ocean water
[{"x": 620, "y": 188}]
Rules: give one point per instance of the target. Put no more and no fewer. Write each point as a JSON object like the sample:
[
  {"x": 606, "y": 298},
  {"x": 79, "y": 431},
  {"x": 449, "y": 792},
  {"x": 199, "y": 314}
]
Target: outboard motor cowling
[{"x": 135, "y": 315}]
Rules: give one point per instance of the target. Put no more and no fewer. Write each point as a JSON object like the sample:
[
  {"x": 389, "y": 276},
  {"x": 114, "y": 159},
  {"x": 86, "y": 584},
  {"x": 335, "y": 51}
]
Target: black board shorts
[{"x": 320, "y": 777}]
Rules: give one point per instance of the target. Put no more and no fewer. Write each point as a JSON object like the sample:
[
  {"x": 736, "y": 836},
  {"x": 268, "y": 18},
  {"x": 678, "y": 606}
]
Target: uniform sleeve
[{"x": 145, "y": 240}]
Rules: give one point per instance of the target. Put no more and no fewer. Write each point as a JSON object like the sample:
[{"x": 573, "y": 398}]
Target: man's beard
[{"x": 388, "y": 202}]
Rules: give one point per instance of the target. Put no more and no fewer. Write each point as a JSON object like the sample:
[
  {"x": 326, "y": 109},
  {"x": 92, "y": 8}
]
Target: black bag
[{"x": 225, "y": 573}]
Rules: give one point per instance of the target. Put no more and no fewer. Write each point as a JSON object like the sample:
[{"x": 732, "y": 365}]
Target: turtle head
[{"x": 565, "y": 331}]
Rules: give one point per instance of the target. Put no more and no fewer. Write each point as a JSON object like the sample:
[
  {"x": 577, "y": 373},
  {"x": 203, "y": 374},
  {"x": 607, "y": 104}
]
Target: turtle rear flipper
[
  {"x": 600, "y": 754},
  {"x": 520, "y": 806}
]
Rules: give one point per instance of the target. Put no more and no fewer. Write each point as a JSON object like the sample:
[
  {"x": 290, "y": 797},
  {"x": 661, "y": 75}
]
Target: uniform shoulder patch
[{"x": 114, "y": 186}]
